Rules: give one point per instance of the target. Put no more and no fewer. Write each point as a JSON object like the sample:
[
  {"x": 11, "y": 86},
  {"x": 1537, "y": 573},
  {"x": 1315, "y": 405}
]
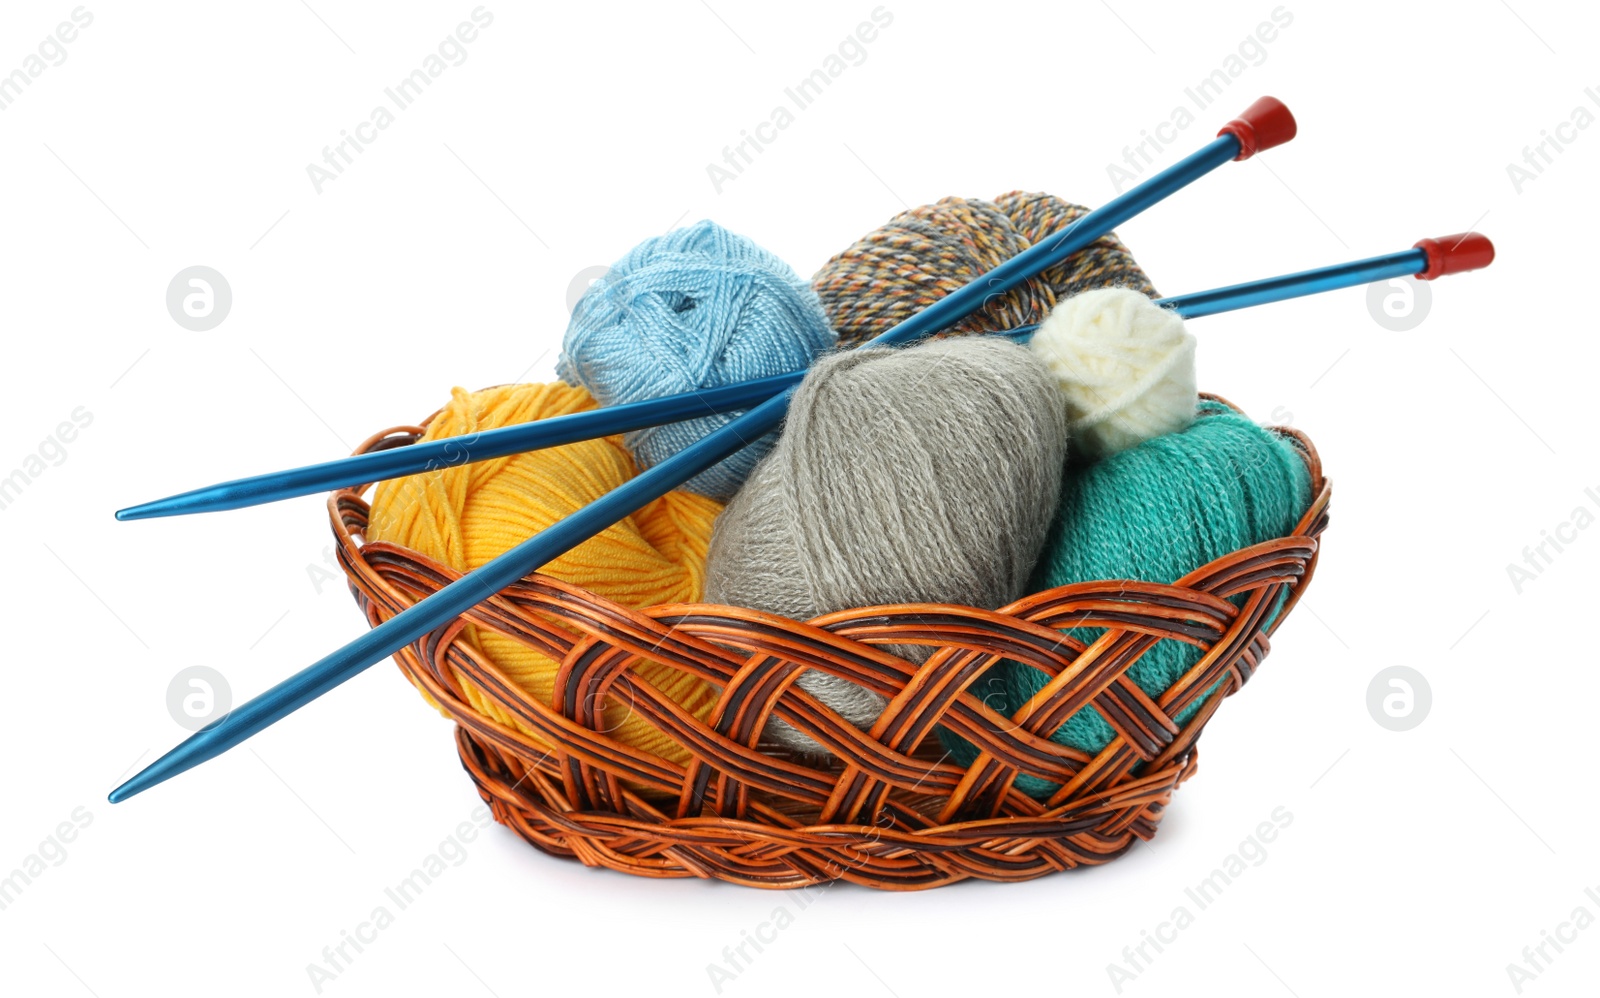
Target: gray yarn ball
[{"x": 922, "y": 475}]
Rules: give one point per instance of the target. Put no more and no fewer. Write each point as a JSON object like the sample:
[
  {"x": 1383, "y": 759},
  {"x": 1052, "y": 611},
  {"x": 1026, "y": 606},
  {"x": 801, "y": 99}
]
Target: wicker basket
[{"x": 890, "y": 811}]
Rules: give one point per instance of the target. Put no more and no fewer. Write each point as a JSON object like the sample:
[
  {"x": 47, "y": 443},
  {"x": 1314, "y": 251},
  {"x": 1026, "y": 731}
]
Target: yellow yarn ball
[{"x": 468, "y": 514}]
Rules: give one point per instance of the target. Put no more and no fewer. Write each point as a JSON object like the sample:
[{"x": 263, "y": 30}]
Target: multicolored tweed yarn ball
[{"x": 925, "y": 253}]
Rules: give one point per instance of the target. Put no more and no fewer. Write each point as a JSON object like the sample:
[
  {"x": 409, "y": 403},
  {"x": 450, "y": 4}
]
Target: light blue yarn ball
[{"x": 699, "y": 307}]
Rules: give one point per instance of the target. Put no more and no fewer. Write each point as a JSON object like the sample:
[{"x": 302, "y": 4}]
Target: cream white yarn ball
[{"x": 1125, "y": 366}]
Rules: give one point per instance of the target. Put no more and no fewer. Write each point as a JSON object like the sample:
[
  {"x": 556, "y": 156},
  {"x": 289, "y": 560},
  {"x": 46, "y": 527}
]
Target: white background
[{"x": 175, "y": 134}]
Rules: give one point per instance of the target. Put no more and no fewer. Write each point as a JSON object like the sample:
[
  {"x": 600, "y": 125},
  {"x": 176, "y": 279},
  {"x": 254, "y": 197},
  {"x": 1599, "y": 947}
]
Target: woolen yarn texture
[
  {"x": 468, "y": 514},
  {"x": 1154, "y": 513},
  {"x": 925, "y": 253},
  {"x": 699, "y": 307},
  {"x": 923, "y": 474},
  {"x": 1125, "y": 366}
]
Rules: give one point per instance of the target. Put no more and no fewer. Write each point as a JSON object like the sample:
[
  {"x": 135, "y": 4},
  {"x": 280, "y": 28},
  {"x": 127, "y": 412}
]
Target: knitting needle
[
  {"x": 1264, "y": 124},
  {"x": 1428, "y": 259},
  {"x": 417, "y": 458},
  {"x": 1460, "y": 251}
]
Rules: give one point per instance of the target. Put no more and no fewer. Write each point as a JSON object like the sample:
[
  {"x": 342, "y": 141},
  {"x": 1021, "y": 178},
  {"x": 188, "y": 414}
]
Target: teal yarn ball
[
  {"x": 1154, "y": 513},
  {"x": 699, "y": 307}
]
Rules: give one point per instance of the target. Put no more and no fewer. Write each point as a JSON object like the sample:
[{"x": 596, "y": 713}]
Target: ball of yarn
[
  {"x": 1125, "y": 366},
  {"x": 1154, "y": 513},
  {"x": 927, "y": 474},
  {"x": 463, "y": 516},
  {"x": 696, "y": 308},
  {"x": 925, "y": 253}
]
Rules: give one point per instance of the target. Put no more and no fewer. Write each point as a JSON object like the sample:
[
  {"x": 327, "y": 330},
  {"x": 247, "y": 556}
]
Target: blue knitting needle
[
  {"x": 424, "y": 457},
  {"x": 1265, "y": 124},
  {"x": 1430, "y": 258},
  {"x": 418, "y": 458}
]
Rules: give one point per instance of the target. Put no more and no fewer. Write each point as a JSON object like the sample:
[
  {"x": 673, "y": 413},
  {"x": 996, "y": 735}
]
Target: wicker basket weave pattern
[{"x": 891, "y": 811}]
